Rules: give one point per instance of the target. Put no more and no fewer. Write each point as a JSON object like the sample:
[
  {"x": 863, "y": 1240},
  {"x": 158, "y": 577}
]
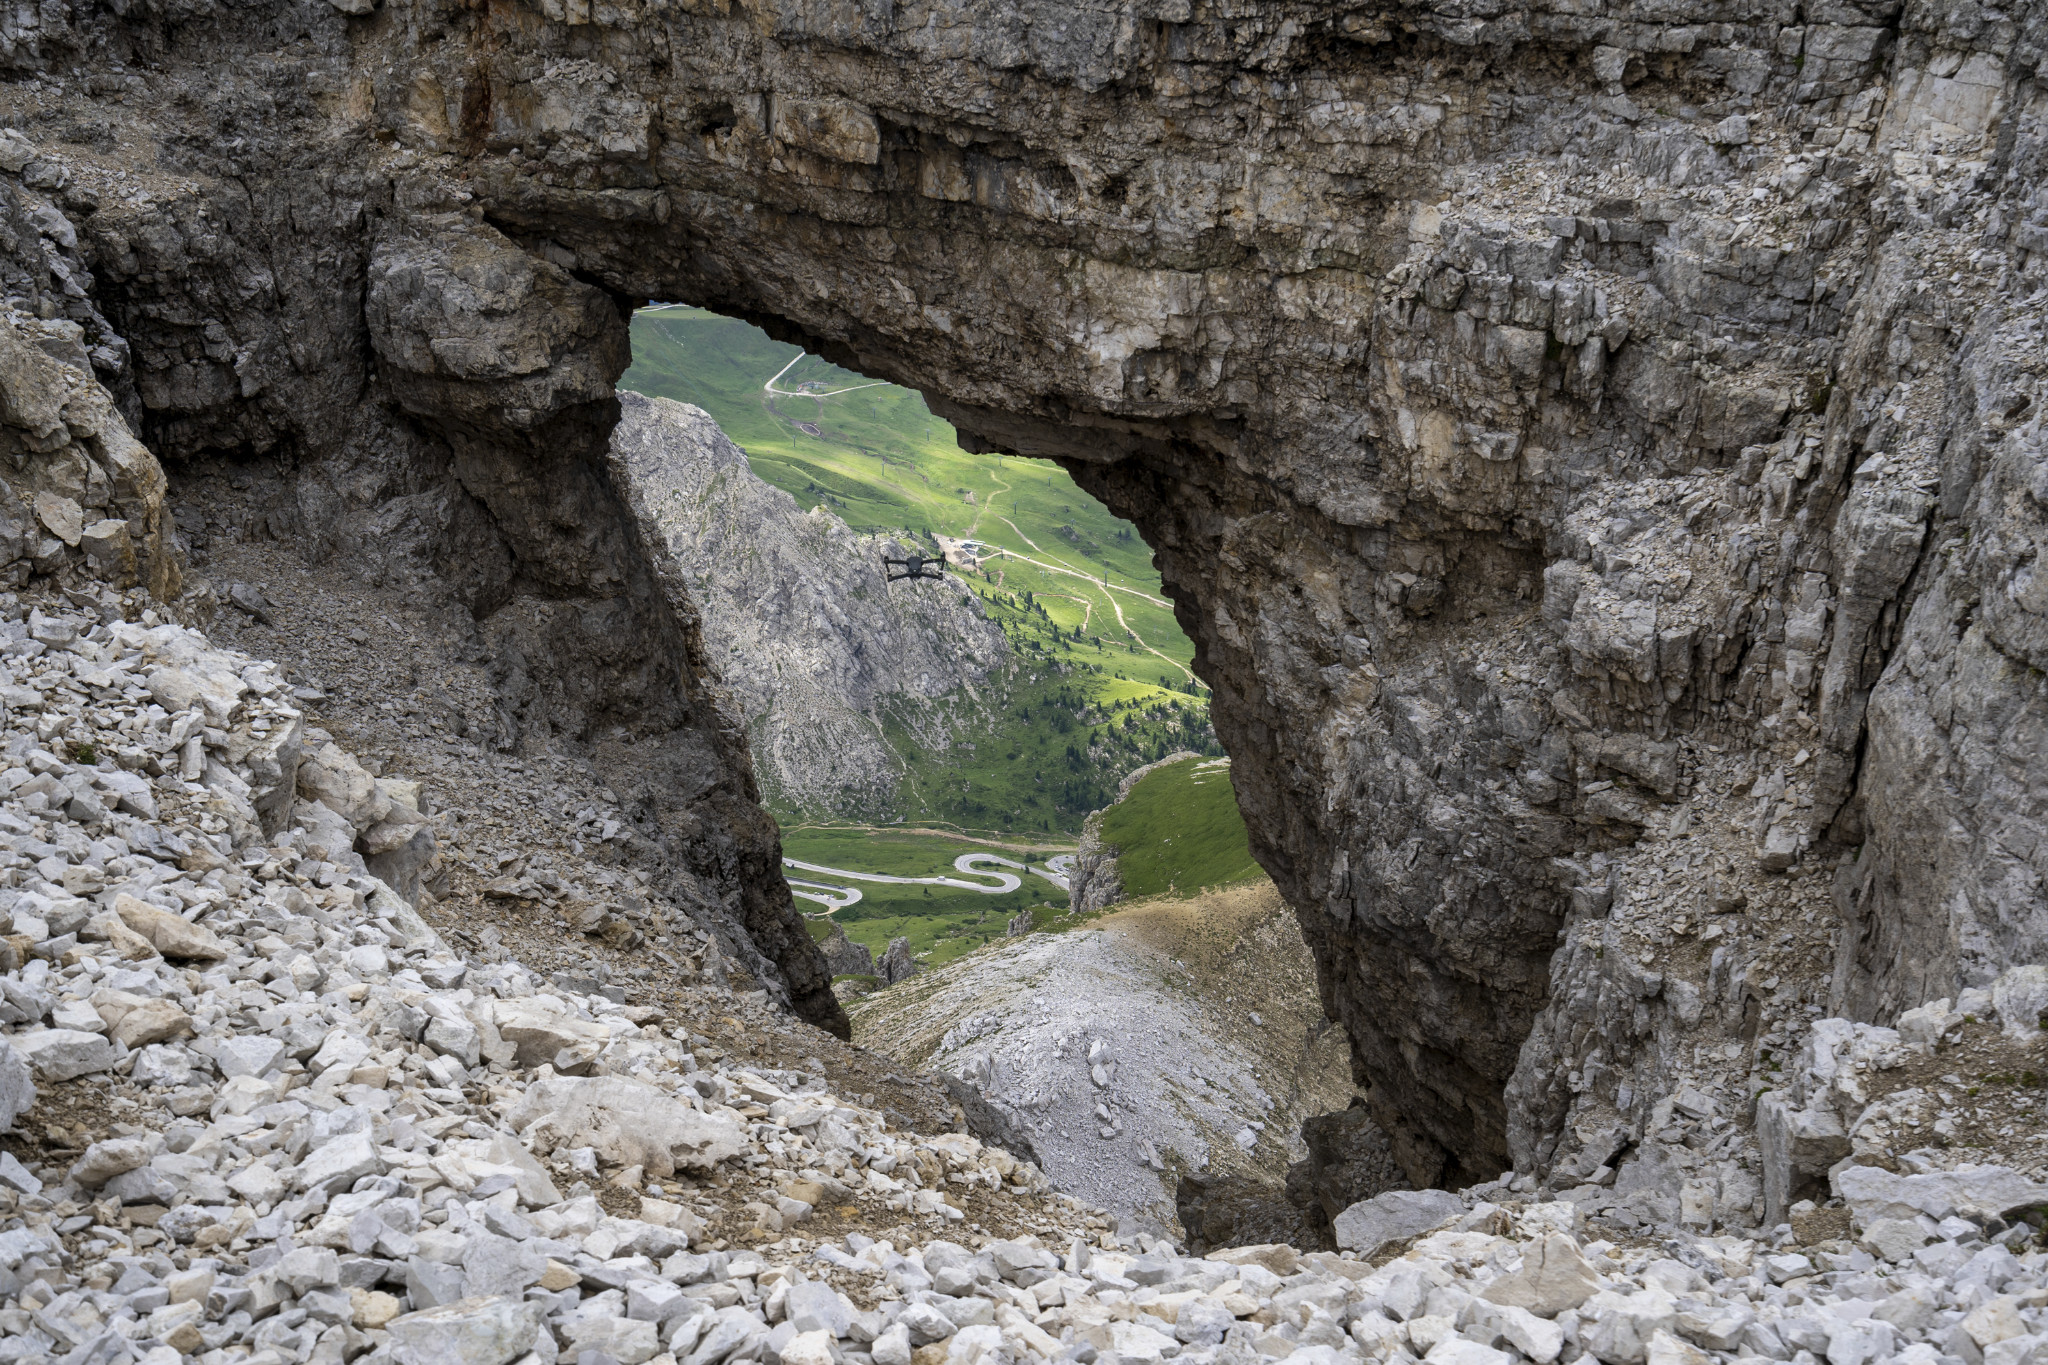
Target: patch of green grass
[
  {"x": 1180, "y": 830},
  {"x": 937, "y": 920},
  {"x": 1053, "y": 750}
]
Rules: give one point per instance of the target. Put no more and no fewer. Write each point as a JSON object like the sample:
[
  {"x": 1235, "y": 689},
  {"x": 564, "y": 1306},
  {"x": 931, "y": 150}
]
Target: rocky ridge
[
  {"x": 270, "y": 1117},
  {"x": 826, "y": 661}
]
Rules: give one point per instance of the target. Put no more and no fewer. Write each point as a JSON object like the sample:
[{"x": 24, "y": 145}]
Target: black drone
[{"x": 917, "y": 566}]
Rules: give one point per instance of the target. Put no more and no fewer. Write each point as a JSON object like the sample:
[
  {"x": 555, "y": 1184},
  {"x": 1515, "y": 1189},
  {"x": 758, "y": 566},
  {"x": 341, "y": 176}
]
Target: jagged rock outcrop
[
  {"x": 844, "y": 956},
  {"x": 1597, "y": 456},
  {"x": 826, "y": 660},
  {"x": 896, "y": 963},
  {"x": 79, "y": 492},
  {"x": 1095, "y": 882}
]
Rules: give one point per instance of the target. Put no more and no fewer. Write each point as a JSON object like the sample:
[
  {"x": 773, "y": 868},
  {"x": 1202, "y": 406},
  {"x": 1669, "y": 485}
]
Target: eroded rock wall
[
  {"x": 413, "y": 394},
  {"x": 1597, "y": 455}
]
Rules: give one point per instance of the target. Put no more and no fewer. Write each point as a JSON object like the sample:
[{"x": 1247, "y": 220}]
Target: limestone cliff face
[
  {"x": 1598, "y": 456},
  {"x": 832, "y": 667}
]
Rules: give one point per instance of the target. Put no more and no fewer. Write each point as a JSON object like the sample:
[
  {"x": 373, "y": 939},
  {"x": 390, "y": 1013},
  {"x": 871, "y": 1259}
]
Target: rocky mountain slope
[
  {"x": 266, "y": 1113},
  {"x": 835, "y": 670},
  {"x": 1597, "y": 455},
  {"x": 1173, "y": 1038},
  {"x": 264, "y": 1110}
]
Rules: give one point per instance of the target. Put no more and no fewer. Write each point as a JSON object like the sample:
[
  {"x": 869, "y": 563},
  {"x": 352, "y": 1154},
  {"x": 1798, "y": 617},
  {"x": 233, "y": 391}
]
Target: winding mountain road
[
  {"x": 838, "y": 898},
  {"x": 814, "y": 393},
  {"x": 831, "y": 897},
  {"x": 1109, "y": 588}
]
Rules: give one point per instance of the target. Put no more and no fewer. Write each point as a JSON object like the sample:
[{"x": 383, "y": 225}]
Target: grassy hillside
[
  {"x": 1066, "y": 578},
  {"x": 1179, "y": 830},
  {"x": 1055, "y": 749}
]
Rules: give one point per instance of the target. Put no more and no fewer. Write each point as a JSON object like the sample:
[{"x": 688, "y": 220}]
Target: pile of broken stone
[
  {"x": 322, "y": 1137},
  {"x": 319, "y": 1133}
]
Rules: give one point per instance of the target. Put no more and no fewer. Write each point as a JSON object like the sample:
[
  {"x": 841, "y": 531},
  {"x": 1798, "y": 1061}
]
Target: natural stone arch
[{"x": 1284, "y": 285}]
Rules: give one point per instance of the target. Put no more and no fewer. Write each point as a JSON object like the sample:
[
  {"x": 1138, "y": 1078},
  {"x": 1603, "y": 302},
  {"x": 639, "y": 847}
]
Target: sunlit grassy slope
[
  {"x": 1179, "y": 830},
  {"x": 1072, "y": 582}
]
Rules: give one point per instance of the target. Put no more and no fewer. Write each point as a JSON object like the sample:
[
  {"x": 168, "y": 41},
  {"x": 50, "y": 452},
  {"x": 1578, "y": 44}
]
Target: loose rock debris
[{"x": 265, "y": 1115}]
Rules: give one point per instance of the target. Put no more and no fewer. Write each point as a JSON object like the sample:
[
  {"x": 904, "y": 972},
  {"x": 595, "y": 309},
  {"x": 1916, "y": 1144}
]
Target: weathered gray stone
[
  {"x": 1202, "y": 1323},
  {"x": 16, "y": 1177},
  {"x": 627, "y": 1122},
  {"x": 332, "y": 777},
  {"x": 493, "y": 1265},
  {"x": 539, "y": 1031},
  {"x": 172, "y": 935},
  {"x": 2021, "y": 997},
  {"x": 472, "y": 1331},
  {"x": 61, "y": 1054},
  {"x": 137, "y": 1021},
  {"x": 243, "y": 1054},
  {"x": 338, "y": 1164},
  {"x": 105, "y": 1160},
  {"x": 17, "y": 1086},
  {"x": 1894, "y": 1239},
  {"x": 816, "y": 1306},
  {"x": 457, "y": 1038},
  {"x": 1798, "y": 1147},
  {"x": 1620, "y": 1327},
  {"x": 1874, "y": 1194},
  {"x": 625, "y": 1340},
  {"x": 340, "y": 1050},
  {"x": 1395, "y": 1216},
  {"x": 657, "y": 1301},
  {"x": 1554, "y": 1276},
  {"x": 434, "y": 1284}
]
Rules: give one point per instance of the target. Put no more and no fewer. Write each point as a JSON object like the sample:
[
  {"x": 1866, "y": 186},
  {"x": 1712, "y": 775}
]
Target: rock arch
[{"x": 1542, "y": 420}]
